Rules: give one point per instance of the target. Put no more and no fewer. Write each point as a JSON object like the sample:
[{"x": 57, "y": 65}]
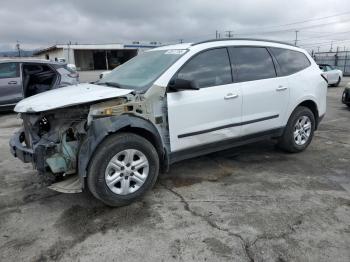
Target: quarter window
[
  {"x": 9, "y": 70},
  {"x": 209, "y": 68},
  {"x": 252, "y": 63},
  {"x": 290, "y": 61}
]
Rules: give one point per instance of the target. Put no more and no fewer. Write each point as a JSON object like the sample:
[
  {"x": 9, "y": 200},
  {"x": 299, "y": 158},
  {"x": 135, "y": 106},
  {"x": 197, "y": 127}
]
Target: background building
[{"x": 94, "y": 56}]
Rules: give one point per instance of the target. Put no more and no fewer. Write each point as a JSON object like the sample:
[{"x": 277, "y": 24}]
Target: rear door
[
  {"x": 265, "y": 97},
  {"x": 10, "y": 83},
  {"x": 210, "y": 114}
]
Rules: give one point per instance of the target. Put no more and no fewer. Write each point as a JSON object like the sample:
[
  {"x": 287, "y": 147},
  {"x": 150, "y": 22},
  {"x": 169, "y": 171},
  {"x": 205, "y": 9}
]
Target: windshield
[{"x": 140, "y": 72}]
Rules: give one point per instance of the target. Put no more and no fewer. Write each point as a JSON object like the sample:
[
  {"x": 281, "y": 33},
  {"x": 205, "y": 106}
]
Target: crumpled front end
[{"x": 50, "y": 140}]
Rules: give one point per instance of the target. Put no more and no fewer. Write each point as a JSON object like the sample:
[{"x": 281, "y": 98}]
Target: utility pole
[
  {"x": 330, "y": 50},
  {"x": 69, "y": 43},
  {"x": 216, "y": 34},
  {"x": 229, "y": 33},
  {"x": 18, "y": 47},
  {"x": 296, "y": 37},
  {"x": 346, "y": 58}
]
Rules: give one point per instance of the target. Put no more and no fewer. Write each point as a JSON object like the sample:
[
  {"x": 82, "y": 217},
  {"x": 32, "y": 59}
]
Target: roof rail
[{"x": 247, "y": 39}]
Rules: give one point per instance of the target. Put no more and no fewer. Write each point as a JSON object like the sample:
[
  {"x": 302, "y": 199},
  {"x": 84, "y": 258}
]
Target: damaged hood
[{"x": 68, "y": 96}]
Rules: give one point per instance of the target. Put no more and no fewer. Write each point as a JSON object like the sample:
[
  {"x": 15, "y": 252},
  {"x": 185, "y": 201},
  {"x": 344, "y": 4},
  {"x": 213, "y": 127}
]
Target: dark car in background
[
  {"x": 346, "y": 95},
  {"x": 21, "y": 78}
]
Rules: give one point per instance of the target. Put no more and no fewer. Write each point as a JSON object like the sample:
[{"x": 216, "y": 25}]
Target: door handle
[
  {"x": 230, "y": 96},
  {"x": 12, "y": 82},
  {"x": 281, "y": 88}
]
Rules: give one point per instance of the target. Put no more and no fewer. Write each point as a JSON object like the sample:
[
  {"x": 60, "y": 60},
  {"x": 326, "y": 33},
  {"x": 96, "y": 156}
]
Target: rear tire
[
  {"x": 299, "y": 130},
  {"x": 122, "y": 169}
]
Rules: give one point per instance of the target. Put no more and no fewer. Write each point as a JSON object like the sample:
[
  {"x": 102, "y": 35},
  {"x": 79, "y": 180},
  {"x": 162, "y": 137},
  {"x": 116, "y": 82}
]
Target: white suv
[{"x": 166, "y": 105}]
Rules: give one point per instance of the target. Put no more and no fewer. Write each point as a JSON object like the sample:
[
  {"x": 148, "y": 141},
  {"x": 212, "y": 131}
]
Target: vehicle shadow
[{"x": 219, "y": 165}]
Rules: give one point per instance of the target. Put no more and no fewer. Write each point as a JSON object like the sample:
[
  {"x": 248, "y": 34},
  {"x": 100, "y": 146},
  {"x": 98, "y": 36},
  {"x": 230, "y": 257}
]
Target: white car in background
[{"x": 333, "y": 75}]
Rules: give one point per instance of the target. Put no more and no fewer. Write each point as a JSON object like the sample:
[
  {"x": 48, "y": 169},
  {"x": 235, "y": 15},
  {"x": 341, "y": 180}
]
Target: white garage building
[{"x": 94, "y": 56}]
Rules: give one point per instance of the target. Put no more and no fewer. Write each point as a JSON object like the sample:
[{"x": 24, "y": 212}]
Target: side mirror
[{"x": 182, "y": 84}]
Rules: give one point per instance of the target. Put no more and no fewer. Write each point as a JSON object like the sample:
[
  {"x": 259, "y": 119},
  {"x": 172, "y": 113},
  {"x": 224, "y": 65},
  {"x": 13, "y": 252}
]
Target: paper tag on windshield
[{"x": 175, "y": 52}]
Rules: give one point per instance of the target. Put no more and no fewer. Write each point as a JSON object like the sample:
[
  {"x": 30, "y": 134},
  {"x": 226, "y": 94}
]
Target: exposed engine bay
[
  {"x": 55, "y": 136},
  {"x": 62, "y": 140}
]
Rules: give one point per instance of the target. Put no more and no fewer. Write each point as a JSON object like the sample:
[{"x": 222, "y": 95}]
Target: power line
[
  {"x": 313, "y": 19},
  {"x": 322, "y": 36},
  {"x": 325, "y": 43},
  {"x": 291, "y": 29}
]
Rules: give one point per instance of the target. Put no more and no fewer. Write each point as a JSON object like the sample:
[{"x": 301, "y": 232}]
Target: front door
[
  {"x": 210, "y": 114},
  {"x": 10, "y": 83}
]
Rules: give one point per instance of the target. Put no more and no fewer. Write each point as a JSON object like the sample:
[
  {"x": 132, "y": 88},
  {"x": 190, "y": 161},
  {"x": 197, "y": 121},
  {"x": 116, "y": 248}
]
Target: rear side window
[
  {"x": 209, "y": 68},
  {"x": 290, "y": 61},
  {"x": 9, "y": 70},
  {"x": 252, "y": 63}
]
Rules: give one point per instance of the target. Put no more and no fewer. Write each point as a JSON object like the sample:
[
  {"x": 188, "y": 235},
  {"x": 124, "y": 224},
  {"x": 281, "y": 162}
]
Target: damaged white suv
[{"x": 168, "y": 104}]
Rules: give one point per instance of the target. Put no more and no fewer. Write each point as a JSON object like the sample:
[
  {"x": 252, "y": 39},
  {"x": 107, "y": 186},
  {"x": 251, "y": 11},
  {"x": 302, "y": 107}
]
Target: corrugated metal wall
[{"x": 340, "y": 60}]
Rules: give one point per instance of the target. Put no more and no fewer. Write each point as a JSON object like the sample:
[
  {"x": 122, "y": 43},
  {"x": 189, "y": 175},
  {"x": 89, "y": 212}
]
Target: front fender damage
[
  {"x": 101, "y": 128},
  {"x": 64, "y": 140}
]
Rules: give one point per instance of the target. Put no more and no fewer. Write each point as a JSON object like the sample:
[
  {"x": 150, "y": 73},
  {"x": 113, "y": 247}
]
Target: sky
[{"x": 41, "y": 23}]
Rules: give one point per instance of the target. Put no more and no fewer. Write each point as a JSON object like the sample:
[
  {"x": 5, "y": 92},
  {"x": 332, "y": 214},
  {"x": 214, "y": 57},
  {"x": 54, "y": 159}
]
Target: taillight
[{"x": 324, "y": 76}]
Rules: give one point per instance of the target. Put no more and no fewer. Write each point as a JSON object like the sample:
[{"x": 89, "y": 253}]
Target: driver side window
[{"x": 208, "y": 68}]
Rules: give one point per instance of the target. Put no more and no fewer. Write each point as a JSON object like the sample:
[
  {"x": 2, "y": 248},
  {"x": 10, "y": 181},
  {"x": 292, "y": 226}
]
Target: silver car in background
[{"x": 21, "y": 78}]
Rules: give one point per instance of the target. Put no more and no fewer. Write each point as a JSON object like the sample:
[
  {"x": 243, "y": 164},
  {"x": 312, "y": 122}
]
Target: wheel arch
[
  {"x": 312, "y": 105},
  {"x": 150, "y": 135},
  {"x": 101, "y": 128}
]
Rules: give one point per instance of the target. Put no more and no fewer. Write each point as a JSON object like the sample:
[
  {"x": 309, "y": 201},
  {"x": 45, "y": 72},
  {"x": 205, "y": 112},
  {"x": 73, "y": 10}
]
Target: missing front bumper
[{"x": 19, "y": 150}]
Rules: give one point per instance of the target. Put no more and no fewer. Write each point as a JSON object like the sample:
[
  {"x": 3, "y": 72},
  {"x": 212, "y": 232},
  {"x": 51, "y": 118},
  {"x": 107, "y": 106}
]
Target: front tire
[
  {"x": 299, "y": 130},
  {"x": 122, "y": 169}
]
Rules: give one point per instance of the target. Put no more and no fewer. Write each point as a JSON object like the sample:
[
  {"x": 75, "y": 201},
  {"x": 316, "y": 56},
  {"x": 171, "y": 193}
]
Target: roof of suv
[
  {"x": 241, "y": 39},
  {"x": 230, "y": 41},
  {"x": 28, "y": 60}
]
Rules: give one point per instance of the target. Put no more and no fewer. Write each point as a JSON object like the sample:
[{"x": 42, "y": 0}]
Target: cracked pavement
[{"x": 252, "y": 203}]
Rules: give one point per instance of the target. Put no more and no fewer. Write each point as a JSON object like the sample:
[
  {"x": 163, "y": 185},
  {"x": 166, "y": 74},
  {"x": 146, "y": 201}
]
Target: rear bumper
[
  {"x": 19, "y": 150},
  {"x": 346, "y": 96}
]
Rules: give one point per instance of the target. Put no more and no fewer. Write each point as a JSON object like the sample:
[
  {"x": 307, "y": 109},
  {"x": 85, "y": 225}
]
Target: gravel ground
[{"x": 252, "y": 203}]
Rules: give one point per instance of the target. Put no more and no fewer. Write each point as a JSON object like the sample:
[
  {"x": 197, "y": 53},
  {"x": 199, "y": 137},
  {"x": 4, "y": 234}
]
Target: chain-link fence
[{"x": 340, "y": 60}]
